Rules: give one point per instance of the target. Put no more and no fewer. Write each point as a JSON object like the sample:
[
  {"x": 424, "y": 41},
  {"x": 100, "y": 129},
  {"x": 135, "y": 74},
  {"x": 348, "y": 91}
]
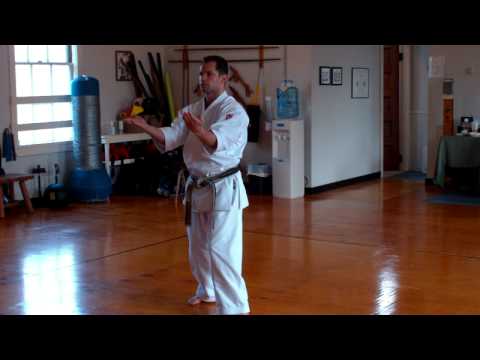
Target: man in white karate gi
[{"x": 214, "y": 134}]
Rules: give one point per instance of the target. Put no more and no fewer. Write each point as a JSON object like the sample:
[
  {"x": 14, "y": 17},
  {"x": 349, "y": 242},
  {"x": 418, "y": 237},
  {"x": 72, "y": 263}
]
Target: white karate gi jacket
[{"x": 228, "y": 120}]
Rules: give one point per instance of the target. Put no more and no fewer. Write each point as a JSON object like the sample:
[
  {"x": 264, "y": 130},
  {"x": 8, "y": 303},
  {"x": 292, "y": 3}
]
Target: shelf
[
  {"x": 119, "y": 138},
  {"x": 125, "y": 161},
  {"x": 230, "y": 61}
]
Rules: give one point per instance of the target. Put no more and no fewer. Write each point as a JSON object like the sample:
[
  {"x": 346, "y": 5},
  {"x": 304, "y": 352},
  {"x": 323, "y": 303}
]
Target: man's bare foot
[{"x": 195, "y": 300}]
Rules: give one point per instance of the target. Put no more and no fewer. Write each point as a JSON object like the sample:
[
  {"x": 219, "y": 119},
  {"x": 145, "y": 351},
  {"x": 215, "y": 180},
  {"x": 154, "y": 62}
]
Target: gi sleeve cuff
[
  {"x": 169, "y": 134},
  {"x": 220, "y": 145}
]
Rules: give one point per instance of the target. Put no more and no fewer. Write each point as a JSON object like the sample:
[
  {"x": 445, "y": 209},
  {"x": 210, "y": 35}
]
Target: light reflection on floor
[
  {"x": 49, "y": 283},
  {"x": 387, "y": 290}
]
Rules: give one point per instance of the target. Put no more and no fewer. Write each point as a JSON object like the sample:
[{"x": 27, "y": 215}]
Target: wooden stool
[{"x": 10, "y": 180}]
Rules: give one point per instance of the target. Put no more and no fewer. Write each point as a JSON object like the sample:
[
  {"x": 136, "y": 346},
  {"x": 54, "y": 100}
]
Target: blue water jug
[{"x": 287, "y": 101}]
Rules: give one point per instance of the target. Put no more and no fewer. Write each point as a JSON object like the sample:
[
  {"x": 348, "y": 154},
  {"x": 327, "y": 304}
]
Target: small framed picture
[
  {"x": 360, "y": 83},
  {"x": 122, "y": 71},
  {"x": 337, "y": 76},
  {"x": 325, "y": 75}
]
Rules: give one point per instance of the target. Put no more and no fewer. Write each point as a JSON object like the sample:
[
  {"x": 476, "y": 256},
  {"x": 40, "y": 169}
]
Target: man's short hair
[{"x": 220, "y": 62}]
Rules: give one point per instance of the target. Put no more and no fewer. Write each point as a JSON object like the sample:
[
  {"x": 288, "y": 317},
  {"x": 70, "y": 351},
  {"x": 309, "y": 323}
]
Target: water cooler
[{"x": 288, "y": 165}]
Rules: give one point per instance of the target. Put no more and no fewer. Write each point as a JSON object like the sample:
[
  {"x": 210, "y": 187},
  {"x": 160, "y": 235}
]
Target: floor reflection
[
  {"x": 49, "y": 283},
  {"x": 387, "y": 290}
]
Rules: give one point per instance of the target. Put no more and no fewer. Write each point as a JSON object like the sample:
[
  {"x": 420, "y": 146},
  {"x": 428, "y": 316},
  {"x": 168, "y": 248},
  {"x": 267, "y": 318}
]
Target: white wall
[
  {"x": 435, "y": 122},
  {"x": 299, "y": 68},
  {"x": 94, "y": 60},
  {"x": 459, "y": 59},
  {"x": 419, "y": 112},
  {"x": 344, "y": 132}
]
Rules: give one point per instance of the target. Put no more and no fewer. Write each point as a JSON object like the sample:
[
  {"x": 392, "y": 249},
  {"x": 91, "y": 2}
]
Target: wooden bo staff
[
  {"x": 158, "y": 87},
  {"x": 238, "y": 97},
  {"x": 164, "y": 89},
  {"x": 138, "y": 86},
  {"x": 185, "y": 76},
  {"x": 187, "y": 57},
  {"x": 155, "y": 79},
  {"x": 236, "y": 77},
  {"x": 148, "y": 80},
  {"x": 261, "y": 52}
]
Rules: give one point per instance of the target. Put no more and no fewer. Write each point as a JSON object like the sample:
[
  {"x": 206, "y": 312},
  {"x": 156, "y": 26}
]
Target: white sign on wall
[
  {"x": 360, "y": 83},
  {"x": 436, "y": 67}
]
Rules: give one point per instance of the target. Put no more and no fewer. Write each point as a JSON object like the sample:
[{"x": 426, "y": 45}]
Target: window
[{"x": 41, "y": 97}]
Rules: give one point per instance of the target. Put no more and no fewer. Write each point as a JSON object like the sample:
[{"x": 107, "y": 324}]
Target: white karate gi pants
[{"x": 215, "y": 254}]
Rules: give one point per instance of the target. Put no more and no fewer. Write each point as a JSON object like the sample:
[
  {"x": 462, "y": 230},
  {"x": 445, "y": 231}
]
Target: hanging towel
[
  {"x": 9, "y": 146},
  {"x": 5, "y": 186},
  {"x": 2, "y": 172}
]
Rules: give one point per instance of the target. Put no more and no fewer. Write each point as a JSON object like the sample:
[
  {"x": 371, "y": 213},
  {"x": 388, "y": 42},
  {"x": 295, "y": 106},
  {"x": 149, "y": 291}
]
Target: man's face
[{"x": 210, "y": 80}]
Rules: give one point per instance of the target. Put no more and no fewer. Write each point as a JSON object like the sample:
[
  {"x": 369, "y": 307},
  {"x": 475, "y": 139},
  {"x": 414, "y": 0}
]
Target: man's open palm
[{"x": 193, "y": 123}]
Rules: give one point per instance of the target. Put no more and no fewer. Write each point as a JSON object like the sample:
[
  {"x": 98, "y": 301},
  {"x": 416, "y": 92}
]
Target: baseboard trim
[{"x": 335, "y": 185}]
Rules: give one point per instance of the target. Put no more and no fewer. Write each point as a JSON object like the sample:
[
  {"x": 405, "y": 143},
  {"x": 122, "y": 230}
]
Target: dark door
[{"x": 391, "y": 150}]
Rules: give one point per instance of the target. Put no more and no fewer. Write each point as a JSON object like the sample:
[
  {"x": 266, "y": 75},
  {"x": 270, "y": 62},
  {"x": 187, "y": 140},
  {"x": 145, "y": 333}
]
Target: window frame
[{"x": 37, "y": 149}]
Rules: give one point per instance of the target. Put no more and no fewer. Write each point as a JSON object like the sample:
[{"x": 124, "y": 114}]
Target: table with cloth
[{"x": 457, "y": 152}]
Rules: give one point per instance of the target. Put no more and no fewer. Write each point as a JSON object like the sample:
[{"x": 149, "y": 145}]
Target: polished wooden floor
[{"x": 371, "y": 248}]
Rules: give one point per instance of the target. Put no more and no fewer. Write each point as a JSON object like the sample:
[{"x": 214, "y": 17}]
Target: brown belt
[{"x": 201, "y": 182}]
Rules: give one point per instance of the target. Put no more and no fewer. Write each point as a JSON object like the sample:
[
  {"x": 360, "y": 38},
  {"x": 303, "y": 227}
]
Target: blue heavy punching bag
[{"x": 89, "y": 181}]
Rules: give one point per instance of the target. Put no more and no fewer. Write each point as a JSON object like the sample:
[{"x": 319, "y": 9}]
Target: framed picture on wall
[
  {"x": 122, "y": 72},
  {"x": 360, "y": 83},
  {"x": 325, "y": 75},
  {"x": 337, "y": 76}
]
